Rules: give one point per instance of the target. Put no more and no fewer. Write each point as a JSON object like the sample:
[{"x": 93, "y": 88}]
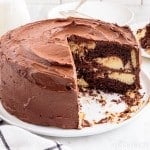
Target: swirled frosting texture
[{"x": 43, "y": 44}]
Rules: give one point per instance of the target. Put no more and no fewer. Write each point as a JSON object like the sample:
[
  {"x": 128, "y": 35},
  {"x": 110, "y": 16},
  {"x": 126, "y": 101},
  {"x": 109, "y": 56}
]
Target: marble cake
[{"x": 45, "y": 64}]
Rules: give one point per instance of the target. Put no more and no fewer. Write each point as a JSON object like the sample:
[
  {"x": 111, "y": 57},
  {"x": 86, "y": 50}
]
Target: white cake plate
[
  {"x": 105, "y": 11},
  {"x": 95, "y": 129}
]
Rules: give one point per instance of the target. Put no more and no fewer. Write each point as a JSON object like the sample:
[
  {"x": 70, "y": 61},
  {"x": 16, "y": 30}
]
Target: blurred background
[
  {"x": 18, "y": 12},
  {"x": 38, "y": 9}
]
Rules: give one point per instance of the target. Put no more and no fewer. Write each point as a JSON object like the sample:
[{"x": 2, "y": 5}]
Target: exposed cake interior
[{"x": 104, "y": 66}]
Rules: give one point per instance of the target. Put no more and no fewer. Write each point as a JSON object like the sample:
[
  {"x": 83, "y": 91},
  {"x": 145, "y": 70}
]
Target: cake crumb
[
  {"x": 104, "y": 120},
  {"x": 102, "y": 102},
  {"x": 86, "y": 123},
  {"x": 117, "y": 101}
]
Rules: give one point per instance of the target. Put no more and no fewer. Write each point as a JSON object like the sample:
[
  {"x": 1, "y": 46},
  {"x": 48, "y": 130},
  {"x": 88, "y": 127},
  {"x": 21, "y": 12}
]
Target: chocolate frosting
[
  {"x": 38, "y": 55},
  {"x": 43, "y": 45}
]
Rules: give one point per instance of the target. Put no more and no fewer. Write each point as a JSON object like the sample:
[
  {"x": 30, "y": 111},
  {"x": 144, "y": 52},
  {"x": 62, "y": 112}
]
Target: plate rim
[{"x": 94, "y": 130}]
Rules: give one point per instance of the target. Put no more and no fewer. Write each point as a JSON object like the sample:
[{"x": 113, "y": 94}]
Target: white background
[{"x": 39, "y": 8}]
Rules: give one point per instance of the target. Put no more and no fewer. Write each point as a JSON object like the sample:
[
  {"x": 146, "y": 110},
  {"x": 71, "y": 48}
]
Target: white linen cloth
[{"x": 15, "y": 138}]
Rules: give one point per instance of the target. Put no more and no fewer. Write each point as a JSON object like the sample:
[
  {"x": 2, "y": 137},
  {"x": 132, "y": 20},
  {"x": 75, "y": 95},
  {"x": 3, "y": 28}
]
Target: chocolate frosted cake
[
  {"x": 143, "y": 37},
  {"x": 45, "y": 64}
]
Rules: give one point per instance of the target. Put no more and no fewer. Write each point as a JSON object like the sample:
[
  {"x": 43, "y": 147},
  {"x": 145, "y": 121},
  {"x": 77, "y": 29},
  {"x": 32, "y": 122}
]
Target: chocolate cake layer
[
  {"x": 100, "y": 65},
  {"x": 145, "y": 41},
  {"x": 39, "y": 78}
]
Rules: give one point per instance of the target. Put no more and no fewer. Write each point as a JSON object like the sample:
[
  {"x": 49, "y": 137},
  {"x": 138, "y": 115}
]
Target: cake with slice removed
[{"x": 45, "y": 64}]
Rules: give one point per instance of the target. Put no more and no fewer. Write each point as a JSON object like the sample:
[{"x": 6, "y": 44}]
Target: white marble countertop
[{"x": 132, "y": 136}]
